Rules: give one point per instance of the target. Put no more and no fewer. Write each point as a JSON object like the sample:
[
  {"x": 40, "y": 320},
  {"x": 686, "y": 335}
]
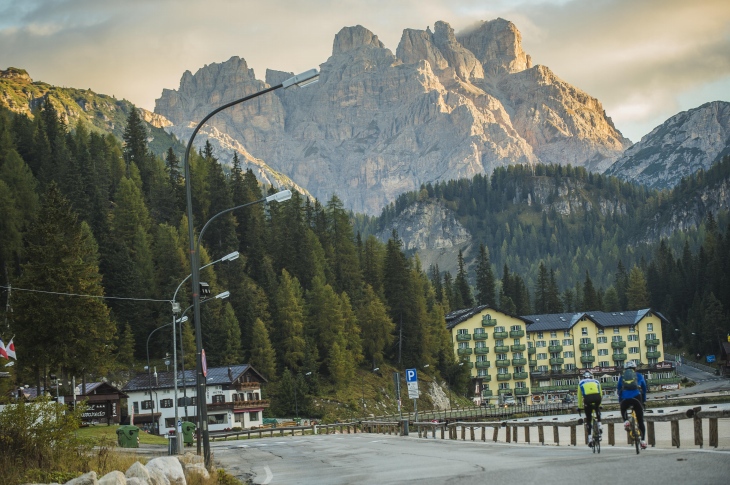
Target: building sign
[
  {"x": 669, "y": 387},
  {"x": 99, "y": 411},
  {"x": 664, "y": 365}
]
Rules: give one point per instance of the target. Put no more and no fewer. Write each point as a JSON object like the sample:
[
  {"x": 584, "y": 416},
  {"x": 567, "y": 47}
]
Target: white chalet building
[{"x": 233, "y": 395}]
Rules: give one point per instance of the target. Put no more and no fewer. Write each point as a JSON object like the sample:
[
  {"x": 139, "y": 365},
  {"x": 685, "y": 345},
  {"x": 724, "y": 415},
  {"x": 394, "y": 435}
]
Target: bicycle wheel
[{"x": 635, "y": 433}]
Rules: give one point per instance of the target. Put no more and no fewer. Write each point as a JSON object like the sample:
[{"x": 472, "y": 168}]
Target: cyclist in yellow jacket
[{"x": 589, "y": 397}]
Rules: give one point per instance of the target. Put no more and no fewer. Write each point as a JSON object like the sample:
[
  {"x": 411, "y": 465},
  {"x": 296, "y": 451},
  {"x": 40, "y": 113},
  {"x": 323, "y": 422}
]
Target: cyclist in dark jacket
[{"x": 632, "y": 393}]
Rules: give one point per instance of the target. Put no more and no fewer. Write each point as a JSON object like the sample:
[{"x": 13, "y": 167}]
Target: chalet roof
[
  {"x": 566, "y": 321},
  {"x": 457, "y": 316},
  {"x": 217, "y": 376}
]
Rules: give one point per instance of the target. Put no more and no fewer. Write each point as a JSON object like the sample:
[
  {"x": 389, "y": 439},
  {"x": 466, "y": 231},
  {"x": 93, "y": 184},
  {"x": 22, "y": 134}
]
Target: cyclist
[
  {"x": 589, "y": 397},
  {"x": 631, "y": 391}
]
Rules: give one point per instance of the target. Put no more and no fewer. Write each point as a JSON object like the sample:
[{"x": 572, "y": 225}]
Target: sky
[{"x": 644, "y": 60}]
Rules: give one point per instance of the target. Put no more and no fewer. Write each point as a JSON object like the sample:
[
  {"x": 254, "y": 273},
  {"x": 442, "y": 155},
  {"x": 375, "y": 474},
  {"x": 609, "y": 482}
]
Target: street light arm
[{"x": 227, "y": 257}]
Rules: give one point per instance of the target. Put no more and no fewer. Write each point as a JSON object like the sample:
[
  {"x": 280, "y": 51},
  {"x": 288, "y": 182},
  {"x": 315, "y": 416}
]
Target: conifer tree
[
  {"x": 637, "y": 293},
  {"x": 77, "y": 335},
  {"x": 541, "y": 289},
  {"x": 461, "y": 284},
  {"x": 590, "y": 295},
  {"x": 554, "y": 305},
  {"x": 377, "y": 326},
  {"x": 485, "y": 278},
  {"x": 289, "y": 322},
  {"x": 263, "y": 356}
]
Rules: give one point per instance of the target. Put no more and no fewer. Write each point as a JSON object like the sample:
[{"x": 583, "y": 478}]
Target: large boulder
[
  {"x": 85, "y": 479},
  {"x": 113, "y": 478},
  {"x": 168, "y": 467}
]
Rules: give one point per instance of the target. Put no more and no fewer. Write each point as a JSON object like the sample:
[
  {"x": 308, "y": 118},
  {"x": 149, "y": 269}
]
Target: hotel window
[
  {"x": 463, "y": 345},
  {"x": 584, "y": 331},
  {"x": 504, "y": 385},
  {"x": 530, "y": 344},
  {"x": 554, "y": 342},
  {"x": 517, "y": 341},
  {"x": 586, "y": 340},
  {"x": 499, "y": 329},
  {"x": 515, "y": 327},
  {"x": 541, "y": 356},
  {"x": 479, "y": 331},
  {"x": 136, "y": 407},
  {"x": 600, "y": 330},
  {"x": 502, "y": 370},
  {"x": 650, "y": 336},
  {"x": 501, "y": 356},
  {"x": 633, "y": 350},
  {"x": 649, "y": 327},
  {"x": 566, "y": 333},
  {"x": 586, "y": 353},
  {"x": 481, "y": 372},
  {"x": 540, "y": 343},
  {"x": 148, "y": 404},
  {"x": 569, "y": 354},
  {"x": 481, "y": 358},
  {"x": 569, "y": 366},
  {"x": 517, "y": 355},
  {"x": 653, "y": 361},
  {"x": 616, "y": 338},
  {"x": 166, "y": 403},
  {"x": 567, "y": 342},
  {"x": 219, "y": 398},
  {"x": 602, "y": 340},
  {"x": 616, "y": 330},
  {"x": 633, "y": 337},
  {"x": 520, "y": 385},
  {"x": 602, "y": 351},
  {"x": 542, "y": 368},
  {"x": 499, "y": 343},
  {"x": 603, "y": 363},
  {"x": 632, "y": 329},
  {"x": 463, "y": 331},
  {"x": 519, "y": 369},
  {"x": 253, "y": 415},
  {"x": 539, "y": 335},
  {"x": 618, "y": 351},
  {"x": 480, "y": 344},
  {"x": 553, "y": 334}
]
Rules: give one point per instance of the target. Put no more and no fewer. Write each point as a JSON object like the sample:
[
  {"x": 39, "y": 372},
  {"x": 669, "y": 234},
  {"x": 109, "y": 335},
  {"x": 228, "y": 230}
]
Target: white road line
[{"x": 269, "y": 475}]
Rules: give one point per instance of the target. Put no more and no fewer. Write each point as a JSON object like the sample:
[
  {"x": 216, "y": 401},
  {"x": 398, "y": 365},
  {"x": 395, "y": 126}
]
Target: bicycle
[
  {"x": 595, "y": 442},
  {"x": 634, "y": 433}
]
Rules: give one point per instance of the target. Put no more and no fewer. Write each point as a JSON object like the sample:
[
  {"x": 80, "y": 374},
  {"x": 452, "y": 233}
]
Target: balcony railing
[
  {"x": 487, "y": 322},
  {"x": 464, "y": 351},
  {"x": 521, "y": 361},
  {"x": 501, "y": 335},
  {"x": 485, "y": 378},
  {"x": 504, "y": 377},
  {"x": 505, "y": 391},
  {"x": 555, "y": 348},
  {"x": 585, "y": 359},
  {"x": 483, "y": 364},
  {"x": 522, "y": 391},
  {"x": 487, "y": 393},
  {"x": 520, "y": 376},
  {"x": 557, "y": 361},
  {"x": 531, "y": 362},
  {"x": 518, "y": 347},
  {"x": 481, "y": 336},
  {"x": 501, "y": 349},
  {"x": 502, "y": 363},
  {"x": 468, "y": 365},
  {"x": 481, "y": 350},
  {"x": 653, "y": 355},
  {"x": 532, "y": 350},
  {"x": 619, "y": 356},
  {"x": 463, "y": 337},
  {"x": 652, "y": 342},
  {"x": 260, "y": 403},
  {"x": 586, "y": 346},
  {"x": 516, "y": 333},
  {"x": 618, "y": 345},
  {"x": 247, "y": 385}
]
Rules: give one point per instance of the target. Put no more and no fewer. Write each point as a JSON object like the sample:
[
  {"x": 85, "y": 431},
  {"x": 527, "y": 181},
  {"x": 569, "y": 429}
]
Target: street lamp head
[
  {"x": 308, "y": 373},
  {"x": 376, "y": 369},
  {"x": 426, "y": 366},
  {"x": 182, "y": 320},
  {"x": 304, "y": 79},
  {"x": 231, "y": 256},
  {"x": 282, "y": 196},
  {"x": 223, "y": 295}
]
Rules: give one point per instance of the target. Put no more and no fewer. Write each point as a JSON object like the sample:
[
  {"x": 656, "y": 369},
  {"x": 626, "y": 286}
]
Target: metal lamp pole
[{"x": 299, "y": 80}]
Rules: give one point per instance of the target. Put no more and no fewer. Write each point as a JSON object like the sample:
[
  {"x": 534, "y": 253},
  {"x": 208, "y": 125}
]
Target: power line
[{"x": 86, "y": 296}]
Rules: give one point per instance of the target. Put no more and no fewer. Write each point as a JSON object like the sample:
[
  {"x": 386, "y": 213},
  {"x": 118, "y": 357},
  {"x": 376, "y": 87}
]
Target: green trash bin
[
  {"x": 188, "y": 431},
  {"x": 128, "y": 436}
]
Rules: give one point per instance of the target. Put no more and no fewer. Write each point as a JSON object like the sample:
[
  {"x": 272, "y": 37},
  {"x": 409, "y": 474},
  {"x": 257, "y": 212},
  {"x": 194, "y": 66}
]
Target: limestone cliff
[
  {"x": 444, "y": 106},
  {"x": 687, "y": 142}
]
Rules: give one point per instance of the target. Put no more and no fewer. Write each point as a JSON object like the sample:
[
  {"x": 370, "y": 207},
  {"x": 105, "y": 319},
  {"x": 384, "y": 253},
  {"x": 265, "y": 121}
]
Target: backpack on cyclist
[{"x": 630, "y": 381}]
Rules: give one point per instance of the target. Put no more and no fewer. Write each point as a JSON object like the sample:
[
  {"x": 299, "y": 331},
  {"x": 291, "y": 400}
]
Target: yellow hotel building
[{"x": 539, "y": 358}]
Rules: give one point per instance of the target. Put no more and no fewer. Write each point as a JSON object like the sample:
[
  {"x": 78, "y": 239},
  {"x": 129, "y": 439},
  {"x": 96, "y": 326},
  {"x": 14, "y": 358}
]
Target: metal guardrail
[{"x": 691, "y": 363}]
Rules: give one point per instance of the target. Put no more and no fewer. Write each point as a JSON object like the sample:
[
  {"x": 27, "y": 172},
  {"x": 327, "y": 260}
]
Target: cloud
[{"x": 637, "y": 58}]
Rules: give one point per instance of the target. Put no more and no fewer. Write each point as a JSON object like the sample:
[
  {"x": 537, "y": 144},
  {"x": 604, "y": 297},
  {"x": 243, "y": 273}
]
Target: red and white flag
[
  {"x": 3, "y": 352},
  {"x": 10, "y": 349}
]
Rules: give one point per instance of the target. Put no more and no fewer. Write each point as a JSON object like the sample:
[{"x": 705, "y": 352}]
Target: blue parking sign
[{"x": 411, "y": 375}]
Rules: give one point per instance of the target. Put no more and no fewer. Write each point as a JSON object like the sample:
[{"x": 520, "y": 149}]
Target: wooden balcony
[{"x": 239, "y": 405}]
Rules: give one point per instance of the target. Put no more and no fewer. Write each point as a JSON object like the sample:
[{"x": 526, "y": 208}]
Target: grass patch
[{"x": 109, "y": 433}]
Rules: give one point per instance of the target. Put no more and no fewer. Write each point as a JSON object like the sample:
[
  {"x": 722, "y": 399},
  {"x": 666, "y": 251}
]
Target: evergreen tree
[
  {"x": 461, "y": 284},
  {"x": 554, "y": 305},
  {"x": 590, "y": 295},
  {"x": 541, "y": 290},
  {"x": 62, "y": 256},
  {"x": 263, "y": 356},
  {"x": 377, "y": 327},
  {"x": 637, "y": 293},
  {"x": 485, "y": 278},
  {"x": 289, "y": 322}
]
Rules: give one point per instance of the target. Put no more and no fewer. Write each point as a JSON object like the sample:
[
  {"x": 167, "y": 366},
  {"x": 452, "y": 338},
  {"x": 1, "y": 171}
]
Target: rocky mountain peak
[
  {"x": 15, "y": 74},
  {"x": 498, "y": 45},
  {"x": 686, "y": 142},
  {"x": 349, "y": 38}
]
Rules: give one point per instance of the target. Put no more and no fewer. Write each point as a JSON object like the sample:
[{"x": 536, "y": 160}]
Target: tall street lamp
[
  {"x": 175, "y": 310},
  {"x": 301, "y": 80}
]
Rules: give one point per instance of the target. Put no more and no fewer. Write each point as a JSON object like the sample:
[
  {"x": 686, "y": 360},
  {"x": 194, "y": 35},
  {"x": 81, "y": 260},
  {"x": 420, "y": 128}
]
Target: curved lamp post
[
  {"x": 301, "y": 80},
  {"x": 176, "y": 310}
]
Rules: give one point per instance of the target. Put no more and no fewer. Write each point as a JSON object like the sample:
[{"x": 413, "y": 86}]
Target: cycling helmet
[
  {"x": 587, "y": 375},
  {"x": 630, "y": 365}
]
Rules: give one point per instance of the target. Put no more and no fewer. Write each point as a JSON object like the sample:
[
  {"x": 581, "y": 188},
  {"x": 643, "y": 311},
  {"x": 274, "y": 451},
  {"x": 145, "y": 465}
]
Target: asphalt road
[
  {"x": 705, "y": 382},
  {"x": 387, "y": 459}
]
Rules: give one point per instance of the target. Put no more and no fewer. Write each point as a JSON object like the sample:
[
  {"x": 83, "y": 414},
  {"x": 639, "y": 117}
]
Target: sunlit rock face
[{"x": 446, "y": 105}]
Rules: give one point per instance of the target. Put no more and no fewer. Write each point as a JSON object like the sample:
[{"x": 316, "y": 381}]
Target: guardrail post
[
  {"x": 585, "y": 435},
  {"x": 527, "y": 435},
  {"x": 573, "y": 440},
  {"x": 463, "y": 433},
  {"x": 541, "y": 434},
  {"x": 713, "y": 432},
  {"x": 484, "y": 434},
  {"x": 675, "y": 433},
  {"x": 509, "y": 434},
  {"x": 699, "y": 439},
  {"x": 556, "y": 435},
  {"x": 611, "y": 435},
  {"x": 471, "y": 428},
  {"x": 495, "y": 434}
]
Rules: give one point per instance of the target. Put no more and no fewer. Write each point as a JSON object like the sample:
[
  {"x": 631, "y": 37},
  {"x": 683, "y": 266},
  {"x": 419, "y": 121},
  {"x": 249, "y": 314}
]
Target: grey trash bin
[
  {"x": 404, "y": 428},
  {"x": 172, "y": 445}
]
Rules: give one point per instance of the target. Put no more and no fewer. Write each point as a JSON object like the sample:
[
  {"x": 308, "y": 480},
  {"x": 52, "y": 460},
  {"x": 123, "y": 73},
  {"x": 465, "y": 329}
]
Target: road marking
[{"x": 269, "y": 475}]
